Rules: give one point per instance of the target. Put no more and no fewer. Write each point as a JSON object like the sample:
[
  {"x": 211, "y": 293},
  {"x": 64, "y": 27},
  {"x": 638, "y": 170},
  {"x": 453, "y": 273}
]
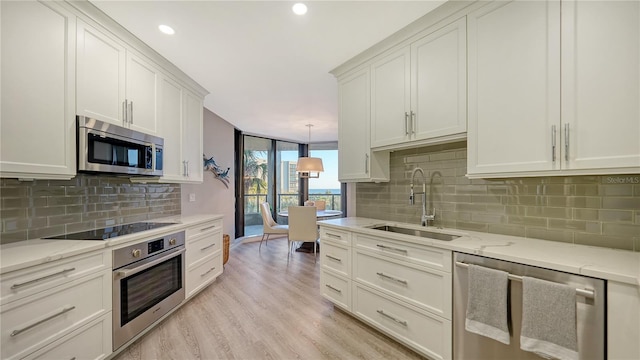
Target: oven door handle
[{"x": 126, "y": 272}]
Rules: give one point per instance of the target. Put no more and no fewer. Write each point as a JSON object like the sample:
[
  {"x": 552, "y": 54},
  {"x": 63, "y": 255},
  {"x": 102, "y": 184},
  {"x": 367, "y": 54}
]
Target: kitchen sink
[{"x": 414, "y": 232}]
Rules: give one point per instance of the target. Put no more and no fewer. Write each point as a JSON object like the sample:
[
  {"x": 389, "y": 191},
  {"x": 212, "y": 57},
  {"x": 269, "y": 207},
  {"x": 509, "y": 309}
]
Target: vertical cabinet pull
[
  {"x": 566, "y": 142},
  {"x": 366, "y": 163},
  {"x": 125, "y": 109},
  {"x": 131, "y": 112},
  {"x": 406, "y": 123},
  {"x": 413, "y": 123},
  {"x": 553, "y": 143}
]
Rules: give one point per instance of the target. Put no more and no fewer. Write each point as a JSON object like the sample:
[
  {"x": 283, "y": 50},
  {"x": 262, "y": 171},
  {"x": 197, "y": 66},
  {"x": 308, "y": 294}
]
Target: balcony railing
[{"x": 252, "y": 201}]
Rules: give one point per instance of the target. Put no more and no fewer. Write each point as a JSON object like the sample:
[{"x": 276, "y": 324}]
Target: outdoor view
[{"x": 258, "y": 179}]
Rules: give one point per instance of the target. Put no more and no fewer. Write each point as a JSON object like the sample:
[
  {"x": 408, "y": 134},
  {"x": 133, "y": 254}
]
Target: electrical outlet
[{"x": 192, "y": 197}]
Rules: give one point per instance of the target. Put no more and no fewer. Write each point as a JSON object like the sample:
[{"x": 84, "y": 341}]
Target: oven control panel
[
  {"x": 155, "y": 246},
  {"x": 127, "y": 255}
]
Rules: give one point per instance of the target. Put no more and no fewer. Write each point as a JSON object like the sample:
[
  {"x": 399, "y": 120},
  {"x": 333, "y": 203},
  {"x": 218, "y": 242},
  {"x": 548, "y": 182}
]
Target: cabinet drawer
[
  {"x": 335, "y": 289},
  {"x": 203, "y": 272},
  {"x": 336, "y": 257},
  {"x": 18, "y": 284},
  {"x": 203, "y": 244},
  {"x": 406, "y": 252},
  {"x": 338, "y": 236},
  {"x": 92, "y": 341},
  {"x": 429, "y": 289},
  {"x": 428, "y": 334},
  {"x": 40, "y": 319},
  {"x": 204, "y": 227}
]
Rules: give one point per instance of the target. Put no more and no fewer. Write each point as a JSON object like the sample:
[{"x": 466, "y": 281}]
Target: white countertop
[
  {"x": 22, "y": 254},
  {"x": 610, "y": 264}
]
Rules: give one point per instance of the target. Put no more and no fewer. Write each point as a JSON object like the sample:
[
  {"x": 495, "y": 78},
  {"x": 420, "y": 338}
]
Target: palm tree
[{"x": 255, "y": 172}]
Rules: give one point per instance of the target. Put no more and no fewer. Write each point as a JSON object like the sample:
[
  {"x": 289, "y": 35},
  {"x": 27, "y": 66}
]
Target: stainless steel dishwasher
[{"x": 590, "y": 311}]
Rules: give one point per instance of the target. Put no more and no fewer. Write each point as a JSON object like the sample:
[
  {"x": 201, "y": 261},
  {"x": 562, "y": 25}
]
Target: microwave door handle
[
  {"x": 153, "y": 156},
  {"x": 126, "y": 272}
]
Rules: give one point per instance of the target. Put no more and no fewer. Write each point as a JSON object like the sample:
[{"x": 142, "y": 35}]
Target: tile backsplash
[
  {"x": 40, "y": 208},
  {"x": 591, "y": 210}
]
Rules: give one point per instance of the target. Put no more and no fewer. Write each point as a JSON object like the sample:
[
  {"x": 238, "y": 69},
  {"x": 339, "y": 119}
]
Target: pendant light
[{"x": 306, "y": 166}]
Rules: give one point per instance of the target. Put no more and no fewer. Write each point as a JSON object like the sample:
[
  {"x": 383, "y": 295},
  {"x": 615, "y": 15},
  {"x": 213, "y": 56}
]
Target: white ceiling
[{"x": 267, "y": 69}]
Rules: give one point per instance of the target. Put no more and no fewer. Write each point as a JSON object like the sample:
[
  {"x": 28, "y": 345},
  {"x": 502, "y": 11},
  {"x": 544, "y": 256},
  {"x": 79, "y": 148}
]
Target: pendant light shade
[{"x": 309, "y": 167}]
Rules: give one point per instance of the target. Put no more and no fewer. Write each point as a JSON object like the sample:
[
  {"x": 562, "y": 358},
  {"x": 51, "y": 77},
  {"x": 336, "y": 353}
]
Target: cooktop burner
[{"x": 111, "y": 232}]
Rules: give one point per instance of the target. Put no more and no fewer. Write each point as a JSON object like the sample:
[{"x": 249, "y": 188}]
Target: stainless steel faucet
[{"x": 425, "y": 217}]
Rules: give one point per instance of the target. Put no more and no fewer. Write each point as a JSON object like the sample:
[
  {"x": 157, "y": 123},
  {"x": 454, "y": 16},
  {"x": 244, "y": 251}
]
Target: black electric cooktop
[{"x": 112, "y": 231}]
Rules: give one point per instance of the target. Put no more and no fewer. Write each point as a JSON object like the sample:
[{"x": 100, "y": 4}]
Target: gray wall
[
  {"x": 591, "y": 210},
  {"x": 40, "y": 208},
  {"x": 212, "y": 197}
]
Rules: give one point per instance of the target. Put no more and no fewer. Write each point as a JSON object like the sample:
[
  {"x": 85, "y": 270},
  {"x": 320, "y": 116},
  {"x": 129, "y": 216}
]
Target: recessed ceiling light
[
  {"x": 299, "y": 9},
  {"x": 167, "y": 29}
]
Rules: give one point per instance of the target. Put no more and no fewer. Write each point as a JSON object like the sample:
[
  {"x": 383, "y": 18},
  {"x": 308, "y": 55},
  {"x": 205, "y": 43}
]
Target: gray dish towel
[
  {"x": 487, "y": 303},
  {"x": 549, "y": 319}
]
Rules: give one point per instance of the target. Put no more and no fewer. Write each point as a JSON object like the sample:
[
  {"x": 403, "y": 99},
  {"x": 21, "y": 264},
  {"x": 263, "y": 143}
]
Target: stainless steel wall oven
[{"x": 148, "y": 281}]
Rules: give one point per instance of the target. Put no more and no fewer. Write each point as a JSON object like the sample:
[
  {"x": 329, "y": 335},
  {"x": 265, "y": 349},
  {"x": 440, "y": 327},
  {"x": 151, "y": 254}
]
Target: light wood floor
[{"x": 264, "y": 307}]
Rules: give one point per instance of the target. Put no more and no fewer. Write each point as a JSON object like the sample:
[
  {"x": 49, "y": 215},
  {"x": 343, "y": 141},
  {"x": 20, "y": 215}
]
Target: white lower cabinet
[
  {"x": 422, "y": 331},
  {"x": 92, "y": 341},
  {"x": 38, "y": 320},
  {"x": 204, "y": 256},
  {"x": 402, "y": 289}
]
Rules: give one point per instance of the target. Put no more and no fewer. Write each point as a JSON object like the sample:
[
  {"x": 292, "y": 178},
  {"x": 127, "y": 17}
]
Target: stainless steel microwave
[{"x": 109, "y": 148}]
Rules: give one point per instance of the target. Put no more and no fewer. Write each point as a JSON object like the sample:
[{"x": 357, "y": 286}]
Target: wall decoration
[{"x": 218, "y": 172}]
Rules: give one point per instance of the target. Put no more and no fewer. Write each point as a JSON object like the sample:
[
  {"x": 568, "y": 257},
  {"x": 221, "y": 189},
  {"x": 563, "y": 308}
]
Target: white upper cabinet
[
  {"x": 101, "y": 62},
  {"x": 115, "y": 84},
  {"x": 514, "y": 87},
  {"x": 37, "y": 130},
  {"x": 192, "y": 138},
  {"x": 554, "y": 91},
  {"x": 439, "y": 82},
  {"x": 390, "y": 99},
  {"x": 142, "y": 89},
  {"x": 601, "y": 85},
  {"x": 170, "y": 113},
  {"x": 356, "y": 161},
  {"x": 419, "y": 91}
]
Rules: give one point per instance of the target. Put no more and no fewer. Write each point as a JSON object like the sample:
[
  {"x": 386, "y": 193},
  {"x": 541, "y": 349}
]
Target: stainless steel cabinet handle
[
  {"x": 391, "y": 248},
  {"x": 401, "y": 322},
  {"x": 332, "y": 288},
  {"x": 131, "y": 112},
  {"x": 334, "y": 236},
  {"x": 413, "y": 123},
  {"x": 19, "y": 331},
  {"x": 208, "y": 271},
  {"x": 187, "y": 168},
  {"x": 553, "y": 143},
  {"x": 208, "y": 227},
  {"x": 184, "y": 168},
  {"x": 19, "y": 285},
  {"x": 124, "y": 111},
  {"x": 406, "y": 123},
  {"x": 392, "y": 278},
  {"x": 334, "y": 258},
  {"x": 566, "y": 142},
  {"x": 366, "y": 163},
  {"x": 208, "y": 246}
]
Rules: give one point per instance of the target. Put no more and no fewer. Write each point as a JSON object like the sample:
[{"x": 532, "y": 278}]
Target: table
[{"x": 320, "y": 214}]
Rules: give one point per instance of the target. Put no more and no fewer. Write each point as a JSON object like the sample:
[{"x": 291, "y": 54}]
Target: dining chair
[
  {"x": 269, "y": 226},
  {"x": 321, "y": 205},
  {"x": 303, "y": 226}
]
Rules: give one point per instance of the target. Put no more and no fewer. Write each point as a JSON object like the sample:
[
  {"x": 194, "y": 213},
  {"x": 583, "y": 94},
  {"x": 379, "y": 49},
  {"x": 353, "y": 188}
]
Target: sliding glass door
[
  {"x": 287, "y": 181},
  {"x": 257, "y": 180}
]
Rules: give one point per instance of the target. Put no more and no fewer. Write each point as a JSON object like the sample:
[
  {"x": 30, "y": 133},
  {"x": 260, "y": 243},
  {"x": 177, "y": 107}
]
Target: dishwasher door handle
[{"x": 589, "y": 294}]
